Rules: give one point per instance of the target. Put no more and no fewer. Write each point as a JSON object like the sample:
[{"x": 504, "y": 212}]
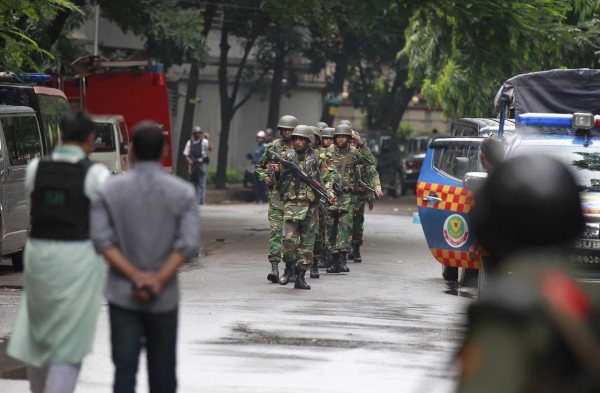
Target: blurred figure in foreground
[
  {"x": 56, "y": 321},
  {"x": 146, "y": 225},
  {"x": 537, "y": 328}
]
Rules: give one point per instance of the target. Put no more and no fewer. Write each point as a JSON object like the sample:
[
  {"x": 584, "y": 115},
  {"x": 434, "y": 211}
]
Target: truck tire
[{"x": 449, "y": 273}]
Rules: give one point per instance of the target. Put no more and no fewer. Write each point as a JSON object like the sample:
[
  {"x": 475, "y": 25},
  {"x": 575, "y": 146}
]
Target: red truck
[{"x": 135, "y": 89}]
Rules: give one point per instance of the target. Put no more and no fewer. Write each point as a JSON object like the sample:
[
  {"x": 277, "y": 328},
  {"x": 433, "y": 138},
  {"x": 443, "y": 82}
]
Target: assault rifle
[
  {"x": 312, "y": 183},
  {"x": 360, "y": 181}
]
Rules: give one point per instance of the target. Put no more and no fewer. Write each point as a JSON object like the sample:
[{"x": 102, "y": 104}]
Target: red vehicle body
[{"x": 137, "y": 90}]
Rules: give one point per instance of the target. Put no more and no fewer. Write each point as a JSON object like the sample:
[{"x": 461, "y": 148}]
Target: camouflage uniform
[
  {"x": 301, "y": 206},
  {"x": 369, "y": 175},
  {"x": 339, "y": 232},
  {"x": 275, "y": 212},
  {"x": 325, "y": 160}
]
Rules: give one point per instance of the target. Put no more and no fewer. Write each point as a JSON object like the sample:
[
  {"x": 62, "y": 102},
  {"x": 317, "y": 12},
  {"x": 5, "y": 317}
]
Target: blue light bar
[
  {"x": 33, "y": 77},
  {"x": 546, "y": 119}
]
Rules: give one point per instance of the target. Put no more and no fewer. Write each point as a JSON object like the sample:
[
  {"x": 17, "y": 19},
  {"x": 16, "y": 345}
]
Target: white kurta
[{"x": 56, "y": 320}]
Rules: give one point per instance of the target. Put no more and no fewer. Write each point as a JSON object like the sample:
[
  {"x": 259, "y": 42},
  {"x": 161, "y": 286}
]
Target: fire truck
[{"x": 135, "y": 89}]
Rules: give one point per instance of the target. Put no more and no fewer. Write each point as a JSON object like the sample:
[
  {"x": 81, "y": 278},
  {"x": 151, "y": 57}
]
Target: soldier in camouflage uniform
[
  {"x": 368, "y": 174},
  {"x": 268, "y": 172},
  {"x": 321, "y": 243},
  {"x": 301, "y": 206},
  {"x": 346, "y": 159}
]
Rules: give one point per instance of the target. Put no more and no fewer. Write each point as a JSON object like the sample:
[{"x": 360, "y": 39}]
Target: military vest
[
  {"x": 291, "y": 186},
  {"x": 60, "y": 210},
  {"x": 196, "y": 149}
]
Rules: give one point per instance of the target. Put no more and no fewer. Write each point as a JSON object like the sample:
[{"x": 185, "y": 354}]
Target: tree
[
  {"x": 20, "y": 24},
  {"x": 247, "y": 21},
  {"x": 461, "y": 54}
]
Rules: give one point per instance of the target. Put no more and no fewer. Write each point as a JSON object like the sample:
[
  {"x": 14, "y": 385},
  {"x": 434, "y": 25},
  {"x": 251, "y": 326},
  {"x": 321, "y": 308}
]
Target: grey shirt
[{"x": 147, "y": 214}]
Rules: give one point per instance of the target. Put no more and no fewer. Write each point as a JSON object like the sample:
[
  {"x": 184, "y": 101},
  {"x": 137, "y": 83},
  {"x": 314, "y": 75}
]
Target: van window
[
  {"x": 105, "y": 141},
  {"x": 22, "y": 139},
  {"x": 51, "y": 108},
  {"x": 455, "y": 160}
]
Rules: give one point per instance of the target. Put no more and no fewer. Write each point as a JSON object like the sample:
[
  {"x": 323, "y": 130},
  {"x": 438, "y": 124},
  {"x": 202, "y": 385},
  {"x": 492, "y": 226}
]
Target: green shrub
[{"x": 233, "y": 176}]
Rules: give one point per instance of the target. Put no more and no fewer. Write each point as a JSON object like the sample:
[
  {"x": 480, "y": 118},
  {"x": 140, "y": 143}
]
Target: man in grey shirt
[{"x": 146, "y": 225}]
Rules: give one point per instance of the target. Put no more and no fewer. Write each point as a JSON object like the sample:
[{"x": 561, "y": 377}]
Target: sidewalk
[{"x": 234, "y": 193}]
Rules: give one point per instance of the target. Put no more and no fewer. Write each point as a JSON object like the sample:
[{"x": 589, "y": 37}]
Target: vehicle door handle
[{"x": 432, "y": 198}]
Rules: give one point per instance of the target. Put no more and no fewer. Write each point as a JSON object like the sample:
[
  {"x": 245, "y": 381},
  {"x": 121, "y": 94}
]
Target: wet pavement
[{"x": 390, "y": 325}]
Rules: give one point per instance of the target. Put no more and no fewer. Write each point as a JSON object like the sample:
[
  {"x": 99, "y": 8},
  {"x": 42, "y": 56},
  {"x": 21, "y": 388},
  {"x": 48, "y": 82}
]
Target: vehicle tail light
[
  {"x": 158, "y": 79},
  {"x": 414, "y": 164}
]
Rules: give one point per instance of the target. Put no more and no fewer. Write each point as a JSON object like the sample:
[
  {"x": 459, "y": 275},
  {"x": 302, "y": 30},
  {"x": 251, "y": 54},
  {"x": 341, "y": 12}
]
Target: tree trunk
[
  {"x": 276, "y": 89},
  {"x": 400, "y": 97},
  {"x": 226, "y": 111},
  {"x": 189, "y": 108},
  {"x": 339, "y": 77},
  {"x": 188, "y": 119}
]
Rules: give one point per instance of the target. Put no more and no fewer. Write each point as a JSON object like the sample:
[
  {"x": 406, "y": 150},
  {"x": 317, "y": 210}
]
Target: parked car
[
  {"x": 412, "y": 160},
  {"x": 386, "y": 150},
  {"x": 111, "y": 146},
  {"x": 20, "y": 142}
]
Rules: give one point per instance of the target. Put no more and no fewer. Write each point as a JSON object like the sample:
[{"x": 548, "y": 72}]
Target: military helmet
[
  {"x": 287, "y": 121},
  {"x": 345, "y": 122},
  {"x": 304, "y": 131},
  {"x": 316, "y": 131},
  {"x": 527, "y": 202},
  {"x": 327, "y": 132},
  {"x": 343, "y": 129},
  {"x": 321, "y": 125}
]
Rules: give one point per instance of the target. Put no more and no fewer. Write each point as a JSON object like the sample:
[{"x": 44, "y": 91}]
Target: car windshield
[
  {"x": 417, "y": 146},
  {"x": 105, "y": 141},
  {"x": 585, "y": 161}
]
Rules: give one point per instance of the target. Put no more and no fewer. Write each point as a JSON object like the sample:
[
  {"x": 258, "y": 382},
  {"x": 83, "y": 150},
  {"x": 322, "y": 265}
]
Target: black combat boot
[
  {"x": 356, "y": 252},
  {"x": 351, "y": 254},
  {"x": 343, "y": 261},
  {"x": 300, "y": 282},
  {"x": 287, "y": 273},
  {"x": 293, "y": 274},
  {"x": 323, "y": 261},
  {"x": 314, "y": 270},
  {"x": 274, "y": 275},
  {"x": 335, "y": 263}
]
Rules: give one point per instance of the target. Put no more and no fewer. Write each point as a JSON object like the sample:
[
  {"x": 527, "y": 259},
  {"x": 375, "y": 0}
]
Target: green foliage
[
  {"x": 405, "y": 131},
  {"x": 20, "y": 23},
  {"x": 461, "y": 55},
  {"x": 233, "y": 176}
]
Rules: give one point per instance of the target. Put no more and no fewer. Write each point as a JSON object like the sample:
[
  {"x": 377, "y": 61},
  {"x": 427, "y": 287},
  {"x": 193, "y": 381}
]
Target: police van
[{"x": 556, "y": 113}]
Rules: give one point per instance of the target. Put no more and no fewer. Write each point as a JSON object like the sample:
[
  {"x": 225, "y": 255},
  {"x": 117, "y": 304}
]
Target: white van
[
  {"x": 20, "y": 142},
  {"x": 111, "y": 142}
]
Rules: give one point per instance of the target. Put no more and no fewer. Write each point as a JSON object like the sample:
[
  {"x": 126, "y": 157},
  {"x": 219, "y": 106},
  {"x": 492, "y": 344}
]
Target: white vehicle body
[{"x": 111, "y": 143}]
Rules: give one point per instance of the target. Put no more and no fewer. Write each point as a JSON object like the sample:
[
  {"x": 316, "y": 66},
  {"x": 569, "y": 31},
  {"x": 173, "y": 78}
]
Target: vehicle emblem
[{"x": 456, "y": 231}]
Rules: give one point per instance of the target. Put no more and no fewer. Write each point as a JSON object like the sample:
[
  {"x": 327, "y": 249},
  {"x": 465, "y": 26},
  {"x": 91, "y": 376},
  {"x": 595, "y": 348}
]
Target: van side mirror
[
  {"x": 124, "y": 148},
  {"x": 473, "y": 181}
]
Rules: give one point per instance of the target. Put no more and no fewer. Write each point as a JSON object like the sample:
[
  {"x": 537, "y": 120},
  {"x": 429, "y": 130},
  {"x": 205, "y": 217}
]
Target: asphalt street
[{"x": 390, "y": 325}]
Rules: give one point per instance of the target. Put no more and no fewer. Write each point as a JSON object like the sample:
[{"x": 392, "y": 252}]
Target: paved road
[{"x": 390, "y": 325}]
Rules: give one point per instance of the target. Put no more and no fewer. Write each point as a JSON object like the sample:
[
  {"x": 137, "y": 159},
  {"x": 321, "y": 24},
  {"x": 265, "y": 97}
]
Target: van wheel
[
  {"x": 449, "y": 273},
  {"x": 17, "y": 261},
  {"x": 468, "y": 277},
  {"x": 398, "y": 187}
]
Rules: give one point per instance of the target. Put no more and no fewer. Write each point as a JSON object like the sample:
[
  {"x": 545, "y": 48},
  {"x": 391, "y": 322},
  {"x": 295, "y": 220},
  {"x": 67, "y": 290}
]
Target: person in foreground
[
  {"x": 145, "y": 223},
  {"x": 537, "y": 329},
  {"x": 56, "y": 321}
]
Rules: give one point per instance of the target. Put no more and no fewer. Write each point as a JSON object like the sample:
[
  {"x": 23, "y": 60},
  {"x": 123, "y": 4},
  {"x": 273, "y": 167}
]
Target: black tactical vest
[
  {"x": 59, "y": 206},
  {"x": 196, "y": 149}
]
